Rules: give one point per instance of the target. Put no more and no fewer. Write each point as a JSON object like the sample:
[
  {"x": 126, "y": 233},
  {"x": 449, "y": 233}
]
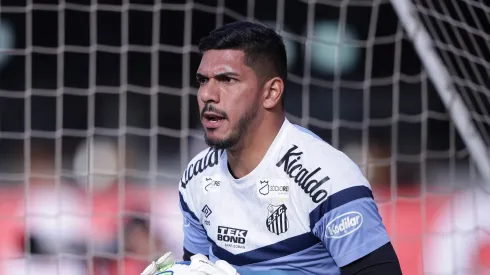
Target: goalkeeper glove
[
  {"x": 202, "y": 263},
  {"x": 199, "y": 265}
]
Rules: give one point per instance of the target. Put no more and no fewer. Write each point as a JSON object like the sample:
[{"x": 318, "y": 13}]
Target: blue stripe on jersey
[
  {"x": 195, "y": 236},
  {"x": 186, "y": 208},
  {"x": 311, "y": 261},
  {"x": 338, "y": 199},
  {"x": 273, "y": 251}
]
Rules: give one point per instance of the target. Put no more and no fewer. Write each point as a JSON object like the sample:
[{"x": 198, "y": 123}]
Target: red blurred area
[
  {"x": 422, "y": 226},
  {"x": 99, "y": 223}
]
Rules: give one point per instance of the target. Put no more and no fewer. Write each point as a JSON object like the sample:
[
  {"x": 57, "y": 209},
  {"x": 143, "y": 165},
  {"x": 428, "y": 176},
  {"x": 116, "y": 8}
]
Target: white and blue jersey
[{"x": 305, "y": 209}]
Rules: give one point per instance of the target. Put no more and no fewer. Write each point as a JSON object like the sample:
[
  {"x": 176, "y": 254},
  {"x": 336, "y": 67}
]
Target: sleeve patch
[
  {"x": 352, "y": 230},
  {"x": 343, "y": 225}
]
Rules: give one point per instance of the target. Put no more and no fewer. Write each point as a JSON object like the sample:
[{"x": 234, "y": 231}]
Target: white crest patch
[
  {"x": 272, "y": 189},
  {"x": 210, "y": 184}
]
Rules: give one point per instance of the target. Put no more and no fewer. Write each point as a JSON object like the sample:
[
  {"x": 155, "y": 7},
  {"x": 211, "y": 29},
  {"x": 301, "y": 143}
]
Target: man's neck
[{"x": 249, "y": 153}]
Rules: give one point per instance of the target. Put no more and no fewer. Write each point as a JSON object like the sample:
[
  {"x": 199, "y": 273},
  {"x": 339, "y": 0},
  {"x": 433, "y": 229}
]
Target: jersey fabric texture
[{"x": 305, "y": 209}]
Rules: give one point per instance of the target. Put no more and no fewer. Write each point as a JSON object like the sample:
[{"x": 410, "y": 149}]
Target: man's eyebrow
[
  {"x": 199, "y": 75},
  {"x": 218, "y": 75},
  {"x": 226, "y": 74}
]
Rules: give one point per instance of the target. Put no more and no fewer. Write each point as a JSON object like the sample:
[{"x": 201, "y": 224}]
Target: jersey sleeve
[
  {"x": 195, "y": 236},
  {"x": 348, "y": 222}
]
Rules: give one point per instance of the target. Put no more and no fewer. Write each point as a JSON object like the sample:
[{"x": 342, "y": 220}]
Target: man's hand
[
  {"x": 198, "y": 265},
  {"x": 201, "y": 263}
]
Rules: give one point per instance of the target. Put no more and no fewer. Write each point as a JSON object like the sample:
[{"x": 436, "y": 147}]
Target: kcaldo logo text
[
  {"x": 209, "y": 160},
  {"x": 344, "y": 225},
  {"x": 302, "y": 176}
]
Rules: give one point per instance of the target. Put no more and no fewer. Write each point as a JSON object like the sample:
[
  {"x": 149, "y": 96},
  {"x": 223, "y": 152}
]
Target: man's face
[{"x": 228, "y": 96}]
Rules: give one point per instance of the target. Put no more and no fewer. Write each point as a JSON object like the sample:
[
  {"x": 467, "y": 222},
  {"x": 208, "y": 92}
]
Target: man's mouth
[{"x": 213, "y": 117}]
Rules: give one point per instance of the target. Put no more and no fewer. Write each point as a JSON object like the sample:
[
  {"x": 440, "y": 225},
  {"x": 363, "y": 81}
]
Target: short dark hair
[{"x": 263, "y": 48}]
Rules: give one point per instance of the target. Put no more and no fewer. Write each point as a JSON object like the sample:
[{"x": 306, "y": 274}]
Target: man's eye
[
  {"x": 201, "y": 81},
  {"x": 226, "y": 79}
]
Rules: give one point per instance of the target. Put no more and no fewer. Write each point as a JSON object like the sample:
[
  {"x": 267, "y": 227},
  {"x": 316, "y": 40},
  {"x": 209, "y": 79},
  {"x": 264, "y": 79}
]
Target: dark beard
[{"x": 236, "y": 134}]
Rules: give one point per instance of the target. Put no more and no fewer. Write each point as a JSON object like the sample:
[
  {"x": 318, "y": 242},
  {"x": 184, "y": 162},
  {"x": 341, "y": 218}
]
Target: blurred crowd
[
  {"x": 93, "y": 223},
  {"x": 98, "y": 223},
  {"x": 437, "y": 222}
]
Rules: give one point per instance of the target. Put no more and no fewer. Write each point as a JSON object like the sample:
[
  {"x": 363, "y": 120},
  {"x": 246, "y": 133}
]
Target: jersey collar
[{"x": 259, "y": 171}]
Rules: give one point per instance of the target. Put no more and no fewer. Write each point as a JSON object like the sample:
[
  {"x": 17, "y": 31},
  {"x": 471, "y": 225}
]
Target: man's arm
[
  {"x": 187, "y": 255},
  {"x": 350, "y": 227},
  {"x": 381, "y": 261},
  {"x": 195, "y": 236}
]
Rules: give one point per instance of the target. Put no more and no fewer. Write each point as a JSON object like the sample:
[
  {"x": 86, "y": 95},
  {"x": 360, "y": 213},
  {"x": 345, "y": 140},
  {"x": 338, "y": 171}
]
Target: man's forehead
[{"x": 215, "y": 62}]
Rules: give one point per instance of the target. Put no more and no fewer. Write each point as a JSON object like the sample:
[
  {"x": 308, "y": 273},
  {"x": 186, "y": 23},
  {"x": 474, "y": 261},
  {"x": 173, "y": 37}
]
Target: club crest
[{"x": 277, "y": 220}]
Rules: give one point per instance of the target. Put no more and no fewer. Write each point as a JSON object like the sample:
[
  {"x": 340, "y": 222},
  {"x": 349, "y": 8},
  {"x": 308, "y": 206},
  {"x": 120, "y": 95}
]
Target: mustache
[{"x": 211, "y": 108}]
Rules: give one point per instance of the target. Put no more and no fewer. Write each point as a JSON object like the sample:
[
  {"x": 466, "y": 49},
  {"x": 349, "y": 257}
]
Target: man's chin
[{"x": 218, "y": 143}]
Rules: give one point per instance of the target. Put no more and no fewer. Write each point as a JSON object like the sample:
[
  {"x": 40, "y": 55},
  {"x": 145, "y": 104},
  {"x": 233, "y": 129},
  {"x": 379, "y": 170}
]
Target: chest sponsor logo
[
  {"x": 210, "y": 184},
  {"x": 209, "y": 160},
  {"x": 344, "y": 225},
  {"x": 277, "y": 221},
  {"x": 306, "y": 179},
  {"x": 232, "y": 237},
  {"x": 277, "y": 188}
]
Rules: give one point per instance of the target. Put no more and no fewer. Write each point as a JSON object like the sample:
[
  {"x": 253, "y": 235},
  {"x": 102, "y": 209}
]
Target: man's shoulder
[
  {"x": 316, "y": 167},
  {"x": 316, "y": 150},
  {"x": 206, "y": 160}
]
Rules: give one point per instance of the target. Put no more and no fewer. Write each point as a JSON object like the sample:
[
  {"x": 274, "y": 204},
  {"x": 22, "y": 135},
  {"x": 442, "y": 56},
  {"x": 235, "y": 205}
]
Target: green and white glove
[{"x": 198, "y": 265}]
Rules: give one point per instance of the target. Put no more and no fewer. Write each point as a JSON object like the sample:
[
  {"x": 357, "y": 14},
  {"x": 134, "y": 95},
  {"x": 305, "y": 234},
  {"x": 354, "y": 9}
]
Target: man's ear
[{"x": 273, "y": 90}]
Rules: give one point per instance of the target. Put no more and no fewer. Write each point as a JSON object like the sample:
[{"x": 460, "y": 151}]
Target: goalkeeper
[{"x": 268, "y": 195}]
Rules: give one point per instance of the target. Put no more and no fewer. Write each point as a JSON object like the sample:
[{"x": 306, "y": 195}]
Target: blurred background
[{"x": 99, "y": 117}]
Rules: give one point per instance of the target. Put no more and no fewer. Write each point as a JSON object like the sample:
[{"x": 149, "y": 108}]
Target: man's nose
[{"x": 209, "y": 92}]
